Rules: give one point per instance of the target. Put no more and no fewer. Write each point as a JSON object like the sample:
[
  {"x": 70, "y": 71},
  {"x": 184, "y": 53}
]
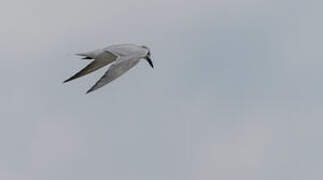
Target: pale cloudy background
[{"x": 236, "y": 94}]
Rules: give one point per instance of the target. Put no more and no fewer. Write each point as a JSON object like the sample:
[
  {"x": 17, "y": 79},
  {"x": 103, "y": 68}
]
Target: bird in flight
[{"x": 122, "y": 57}]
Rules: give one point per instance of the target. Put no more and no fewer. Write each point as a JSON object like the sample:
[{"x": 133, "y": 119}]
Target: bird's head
[{"x": 148, "y": 56}]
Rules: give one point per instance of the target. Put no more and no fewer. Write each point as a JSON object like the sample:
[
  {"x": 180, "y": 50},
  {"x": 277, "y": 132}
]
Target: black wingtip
[
  {"x": 67, "y": 80},
  {"x": 90, "y": 90},
  {"x": 86, "y": 58},
  {"x": 87, "y": 92}
]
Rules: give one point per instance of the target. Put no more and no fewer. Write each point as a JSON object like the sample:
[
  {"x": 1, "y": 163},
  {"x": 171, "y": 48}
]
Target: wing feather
[
  {"x": 116, "y": 70},
  {"x": 104, "y": 59}
]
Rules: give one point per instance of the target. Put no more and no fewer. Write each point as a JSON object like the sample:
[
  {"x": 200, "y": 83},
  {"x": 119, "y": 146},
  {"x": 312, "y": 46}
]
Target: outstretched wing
[
  {"x": 116, "y": 70},
  {"x": 101, "y": 61}
]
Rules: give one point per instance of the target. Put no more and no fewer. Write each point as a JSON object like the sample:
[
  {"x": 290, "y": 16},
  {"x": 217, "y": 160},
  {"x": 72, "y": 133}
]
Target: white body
[{"x": 123, "y": 57}]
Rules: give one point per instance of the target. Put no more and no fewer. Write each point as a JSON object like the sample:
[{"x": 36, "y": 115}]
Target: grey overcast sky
[{"x": 237, "y": 92}]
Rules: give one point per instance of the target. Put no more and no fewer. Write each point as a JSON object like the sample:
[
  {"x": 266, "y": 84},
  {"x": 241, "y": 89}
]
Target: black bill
[{"x": 149, "y": 61}]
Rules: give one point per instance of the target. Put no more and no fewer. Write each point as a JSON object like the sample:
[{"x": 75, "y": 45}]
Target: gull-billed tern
[{"x": 122, "y": 56}]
